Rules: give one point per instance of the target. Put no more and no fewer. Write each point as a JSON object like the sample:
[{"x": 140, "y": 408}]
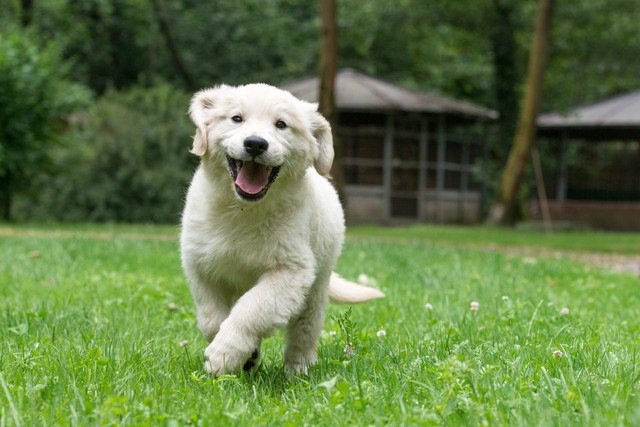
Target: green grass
[
  {"x": 579, "y": 241},
  {"x": 92, "y": 323}
]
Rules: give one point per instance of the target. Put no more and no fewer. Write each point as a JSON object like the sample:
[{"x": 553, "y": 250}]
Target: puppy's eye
[
  {"x": 281, "y": 124},
  {"x": 236, "y": 119}
]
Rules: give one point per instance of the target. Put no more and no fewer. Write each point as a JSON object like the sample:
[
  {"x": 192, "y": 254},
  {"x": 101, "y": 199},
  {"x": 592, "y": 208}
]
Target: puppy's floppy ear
[
  {"x": 321, "y": 131},
  {"x": 198, "y": 111}
]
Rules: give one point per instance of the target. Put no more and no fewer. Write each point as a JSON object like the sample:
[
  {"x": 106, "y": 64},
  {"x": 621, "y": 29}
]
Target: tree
[
  {"x": 176, "y": 57},
  {"x": 328, "y": 67},
  {"x": 504, "y": 210},
  {"x": 505, "y": 75},
  {"x": 26, "y": 17},
  {"x": 34, "y": 99},
  {"x": 328, "y": 63}
]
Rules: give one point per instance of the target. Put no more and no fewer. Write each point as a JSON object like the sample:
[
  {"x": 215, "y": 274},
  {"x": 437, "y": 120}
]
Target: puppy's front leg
[
  {"x": 211, "y": 307},
  {"x": 276, "y": 298}
]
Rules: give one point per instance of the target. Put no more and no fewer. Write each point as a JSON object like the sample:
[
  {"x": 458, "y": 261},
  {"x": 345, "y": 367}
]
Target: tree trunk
[
  {"x": 26, "y": 13},
  {"x": 504, "y": 210},
  {"x": 178, "y": 63},
  {"x": 503, "y": 46},
  {"x": 328, "y": 67}
]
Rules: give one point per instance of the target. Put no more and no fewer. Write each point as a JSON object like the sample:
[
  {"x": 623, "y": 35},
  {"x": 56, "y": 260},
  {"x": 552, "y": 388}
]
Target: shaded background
[{"x": 93, "y": 94}]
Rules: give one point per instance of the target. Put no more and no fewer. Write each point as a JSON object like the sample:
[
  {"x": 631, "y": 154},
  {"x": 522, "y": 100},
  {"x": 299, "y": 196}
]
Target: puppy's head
[{"x": 258, "y": 133}]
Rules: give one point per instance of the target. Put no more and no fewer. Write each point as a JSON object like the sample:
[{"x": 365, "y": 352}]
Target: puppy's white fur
[{"x": 256, "y": 265}]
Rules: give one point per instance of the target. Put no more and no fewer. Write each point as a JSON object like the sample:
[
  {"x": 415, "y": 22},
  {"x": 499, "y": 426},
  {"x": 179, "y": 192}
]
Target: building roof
[
  {"x": 358, "y": 92},
  {"x": 615, "y": 118}
]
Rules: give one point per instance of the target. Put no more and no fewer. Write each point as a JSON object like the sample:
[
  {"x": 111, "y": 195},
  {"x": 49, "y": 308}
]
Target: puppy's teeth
[{"x": 239, "y": 164}]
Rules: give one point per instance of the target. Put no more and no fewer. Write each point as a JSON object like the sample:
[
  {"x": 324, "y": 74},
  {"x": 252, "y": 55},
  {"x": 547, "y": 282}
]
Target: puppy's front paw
[
  {"x": 253, "y": 363},
  {"x": 225, "y": 355}
]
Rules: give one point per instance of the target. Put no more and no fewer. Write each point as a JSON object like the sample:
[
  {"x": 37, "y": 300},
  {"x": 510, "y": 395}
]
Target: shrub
[
  {"x": 128, "y": 161},
  {"x": 35, "y": 97}
]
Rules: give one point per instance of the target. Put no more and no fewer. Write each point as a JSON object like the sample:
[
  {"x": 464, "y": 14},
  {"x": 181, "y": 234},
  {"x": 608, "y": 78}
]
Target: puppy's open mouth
[{"x": 252, "y": 179}]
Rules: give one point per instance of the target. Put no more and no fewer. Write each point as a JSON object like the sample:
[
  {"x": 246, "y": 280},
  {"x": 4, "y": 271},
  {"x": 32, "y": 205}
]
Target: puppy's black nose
[{"x": 254, "y": 145}]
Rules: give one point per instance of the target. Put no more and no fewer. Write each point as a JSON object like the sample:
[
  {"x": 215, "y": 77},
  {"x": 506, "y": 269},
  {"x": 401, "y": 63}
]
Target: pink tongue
[{"x": 252, "y": 177}]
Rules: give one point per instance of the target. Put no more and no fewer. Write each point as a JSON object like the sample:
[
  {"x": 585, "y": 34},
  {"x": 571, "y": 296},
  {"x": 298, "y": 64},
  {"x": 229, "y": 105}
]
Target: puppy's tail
[{"x": 344, "y": 291}]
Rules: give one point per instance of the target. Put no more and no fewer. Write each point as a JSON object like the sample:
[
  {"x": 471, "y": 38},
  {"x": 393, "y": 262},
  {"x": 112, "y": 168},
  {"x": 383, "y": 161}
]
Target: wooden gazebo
[
  {"x": 602, "y": 186},
  {"x": 408, "y": 156}
]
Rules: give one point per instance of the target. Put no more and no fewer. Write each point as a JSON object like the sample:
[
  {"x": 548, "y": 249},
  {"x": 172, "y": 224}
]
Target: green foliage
[
  {"x": 95, "y": 322},
  {"x": 474, "y": 50},
  {"x": 128, "y": 161},
  {"x": 105, "y": 40},
  {"x": 35, "y": 99},
  {"x": 436, "y": 45},
  {"x": 419, "y": 44},
  {"x": 119, "y": 43},
  {"x": 248, "y": 41},
  {"x": 108, "y": 41},
  {"x": 595, "y": 47}
]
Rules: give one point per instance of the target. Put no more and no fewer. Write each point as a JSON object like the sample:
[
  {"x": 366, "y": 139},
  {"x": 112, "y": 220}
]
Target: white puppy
[{"x": 262, "y": 226}]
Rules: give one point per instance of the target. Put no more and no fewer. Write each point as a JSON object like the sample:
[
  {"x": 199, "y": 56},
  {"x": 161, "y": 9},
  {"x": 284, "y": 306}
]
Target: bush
[
  {"x": 128, "y": 161},
  {"x": 35, "y": 98}
]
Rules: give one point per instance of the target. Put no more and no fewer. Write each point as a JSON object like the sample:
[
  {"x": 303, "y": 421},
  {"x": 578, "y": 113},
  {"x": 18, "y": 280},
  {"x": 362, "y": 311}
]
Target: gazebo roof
[
  {"x": 358, "y": 92},
  {"x": 614, "y": 118}
]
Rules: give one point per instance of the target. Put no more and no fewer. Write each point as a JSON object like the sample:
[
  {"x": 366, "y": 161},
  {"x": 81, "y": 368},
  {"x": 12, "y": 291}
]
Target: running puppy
[{"x": 262, "y": 227}]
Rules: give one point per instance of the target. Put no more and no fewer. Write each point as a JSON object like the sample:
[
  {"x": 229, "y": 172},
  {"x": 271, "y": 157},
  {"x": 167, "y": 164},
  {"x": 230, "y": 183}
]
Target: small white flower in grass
[
  {"x": 557, "y": 354},
  {"x": 333, "y": 333},
  {"x": 516, "y": 346},
  {"x": 364, "y": 280},
  {"x": 172, "y": 306},
  {"x": 381, "y": 333},
  {"x": 564, "y": 311},
  {"x": 348, "y": 351},
  {"x": 428, "y": 307},
  {"x": 505, "y": 298},
  {"x": 474, "y": 306},
  {"x": 184, "y": 343}
]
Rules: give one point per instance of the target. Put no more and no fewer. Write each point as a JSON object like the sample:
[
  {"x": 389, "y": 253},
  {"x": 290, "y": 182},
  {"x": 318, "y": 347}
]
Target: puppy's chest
[{"x": 238, "y": 260}]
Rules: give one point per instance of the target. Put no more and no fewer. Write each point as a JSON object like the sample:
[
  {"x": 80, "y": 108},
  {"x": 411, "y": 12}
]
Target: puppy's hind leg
[{"x": 303, "y": 332}]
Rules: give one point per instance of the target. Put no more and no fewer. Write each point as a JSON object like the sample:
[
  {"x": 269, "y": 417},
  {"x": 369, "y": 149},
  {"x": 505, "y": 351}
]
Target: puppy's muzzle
[
  {"x": 252, "y": 178},
  {"x": 255, "y": 146}
]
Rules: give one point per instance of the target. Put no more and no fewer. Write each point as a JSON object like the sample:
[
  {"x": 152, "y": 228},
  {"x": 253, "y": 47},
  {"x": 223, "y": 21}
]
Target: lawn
[{"x": 98, "y": 328}]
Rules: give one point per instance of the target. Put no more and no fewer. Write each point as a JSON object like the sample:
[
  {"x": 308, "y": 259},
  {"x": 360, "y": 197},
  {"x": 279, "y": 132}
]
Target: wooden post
[
  {"x": 638, "y": 144},
  {"x": 387, "y": 168},
  {"x": 464, "y": 178},
  {"x": 542, "y": 192},
  {"x": 440, "y": 172},
  {"x": 561, "y": 185},
  {"x": 423, "y": 166}
]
